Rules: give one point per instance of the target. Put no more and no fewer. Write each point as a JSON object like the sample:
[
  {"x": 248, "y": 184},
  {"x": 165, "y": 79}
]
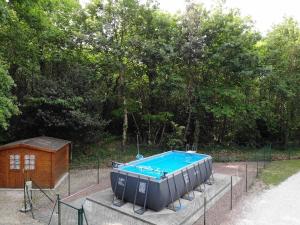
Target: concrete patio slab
[{"x": 99, "y": 209}]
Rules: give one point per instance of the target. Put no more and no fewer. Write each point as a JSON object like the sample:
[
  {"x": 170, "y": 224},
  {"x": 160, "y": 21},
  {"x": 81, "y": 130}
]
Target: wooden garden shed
[{"x": 44, "y": 160}]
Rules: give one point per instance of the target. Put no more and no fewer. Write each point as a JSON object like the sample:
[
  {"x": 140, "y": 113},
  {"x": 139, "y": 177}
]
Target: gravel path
[
  {"x": 279, "y": 205},
  {"x": 10, "y": 204}
]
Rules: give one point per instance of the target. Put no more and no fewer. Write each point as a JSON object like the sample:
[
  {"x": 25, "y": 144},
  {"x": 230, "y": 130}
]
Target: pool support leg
[
  {"x": 187, "y": 195},
  {"x": 172, "y": 199},
  {"x": 200, "y": 173},
  {"x": 197, "y": 179}
]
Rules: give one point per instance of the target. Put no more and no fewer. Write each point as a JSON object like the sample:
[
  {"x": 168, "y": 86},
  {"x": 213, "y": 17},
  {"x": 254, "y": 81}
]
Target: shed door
[
  {"x": 15, "y": 171},
  {"x": 21, "y": 167}
]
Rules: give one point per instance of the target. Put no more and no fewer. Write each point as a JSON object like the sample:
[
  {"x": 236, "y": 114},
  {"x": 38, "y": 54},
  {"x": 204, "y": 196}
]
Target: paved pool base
[{"x": 100, "y": 211}]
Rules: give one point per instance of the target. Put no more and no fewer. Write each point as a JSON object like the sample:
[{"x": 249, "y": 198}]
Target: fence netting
[
  {"x": 43, "y": 204},
  {"x": 220, "y": 197},
  {"x": 108, "y": 215}
]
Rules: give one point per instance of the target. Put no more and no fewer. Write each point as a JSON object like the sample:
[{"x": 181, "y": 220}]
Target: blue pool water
[{"x": 168, "y": 162}]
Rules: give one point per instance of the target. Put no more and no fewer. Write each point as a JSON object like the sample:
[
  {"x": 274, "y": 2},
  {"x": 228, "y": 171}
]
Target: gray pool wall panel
[{"x": 158, "y": 196}]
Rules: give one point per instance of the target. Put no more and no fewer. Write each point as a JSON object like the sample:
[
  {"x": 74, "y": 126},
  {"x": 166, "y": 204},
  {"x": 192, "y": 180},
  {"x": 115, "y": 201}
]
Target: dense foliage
[{"x": 121, "y": 67}]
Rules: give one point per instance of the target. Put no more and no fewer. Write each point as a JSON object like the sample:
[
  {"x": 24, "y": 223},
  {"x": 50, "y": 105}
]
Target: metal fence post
[
  {"x": 204, "y": 213},
  {"x": 98, "y": 171},
  {"x": 264, "y": 158},
  {"x": 58, "y": 210},
  {"x": 84, "y": 218},
  {"x": 25, "y": 205},
  {"x": 257, "y": 169},
  {"x": 246, "y": 177},
  {"x": 80, "y": 216},
  {"x": 270, "y": 152},
  {"x": 69, "y": 182},
  {"x": 231, "y": 193}
]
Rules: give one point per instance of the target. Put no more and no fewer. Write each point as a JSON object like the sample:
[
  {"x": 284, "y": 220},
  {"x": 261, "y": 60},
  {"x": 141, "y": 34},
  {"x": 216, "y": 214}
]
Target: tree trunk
[
  {"x": 136, "y": 125},
  {"x": 286, "y": 130},
  {"x": 155, "y": 136},
  {"x": 187, "y": 127},
  {"x": 196, "y": 132},
  {"x": 125, "y": 111},
  {"x": 162, "y": 134},
  {"x": 125, "y": 124},
  {"x": 149, "y": 132}
]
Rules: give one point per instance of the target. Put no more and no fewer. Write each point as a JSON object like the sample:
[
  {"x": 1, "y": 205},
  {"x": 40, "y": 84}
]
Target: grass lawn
[{"x": 278, "y": 171}]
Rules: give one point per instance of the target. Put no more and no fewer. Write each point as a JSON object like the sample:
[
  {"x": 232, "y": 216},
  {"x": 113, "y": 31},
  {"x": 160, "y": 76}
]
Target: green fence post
[
  {"x": 231, "y": 193},
  {"x": 80, "y": 216},
  {"x": 25, "y": 205},
  {"x": 246, "y": 177},
  {"x": 69, "y": 181},
  {"x": 264, "y": 157},
  {"x": 98, "y": 171},
  {"x": 204, "y": 212},
  {"x": 257, "y": 169},
  {"x": 270, "y": 152},
  {"x": 58, "y": 210}
]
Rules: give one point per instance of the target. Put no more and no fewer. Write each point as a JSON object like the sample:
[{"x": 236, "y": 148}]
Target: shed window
[
  {"x": 29, "y": 162},
  {"x": 14, "y": 162}
]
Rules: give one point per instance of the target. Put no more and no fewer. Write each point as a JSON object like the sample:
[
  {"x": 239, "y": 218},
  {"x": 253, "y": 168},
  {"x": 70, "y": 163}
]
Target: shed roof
[{"x": 43, "y": 143}]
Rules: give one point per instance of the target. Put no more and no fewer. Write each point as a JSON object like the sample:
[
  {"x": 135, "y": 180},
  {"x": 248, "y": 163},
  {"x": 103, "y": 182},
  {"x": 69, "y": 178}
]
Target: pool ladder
[
  {"x": 142, "y": 188},
  {"x": 119, "y": 183}
]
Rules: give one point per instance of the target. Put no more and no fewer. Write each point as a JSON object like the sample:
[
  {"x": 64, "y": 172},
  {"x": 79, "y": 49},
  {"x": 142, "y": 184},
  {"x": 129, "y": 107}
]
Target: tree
[
  {"x": 191, "y": 49},
  {"x": 280, "y": 90},
  {"x": 8, "y": 107},
  {"x": 54, "y": 76},
  {"x": 224, "y": 65}
]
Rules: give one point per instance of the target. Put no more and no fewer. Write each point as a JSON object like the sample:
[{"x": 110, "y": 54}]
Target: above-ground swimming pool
[{"x": 155, "y": 182}]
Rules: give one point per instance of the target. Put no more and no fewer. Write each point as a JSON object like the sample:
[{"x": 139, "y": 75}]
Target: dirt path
[
  {"x": 10, "y": 203},
  {"x": 279, "y": 205}
]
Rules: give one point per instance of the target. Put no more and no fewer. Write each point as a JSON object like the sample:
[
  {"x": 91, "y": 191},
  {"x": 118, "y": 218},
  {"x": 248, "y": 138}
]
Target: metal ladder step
[
  {"x": 142, "y": 187},
  {"x": 119, "y": 183}
]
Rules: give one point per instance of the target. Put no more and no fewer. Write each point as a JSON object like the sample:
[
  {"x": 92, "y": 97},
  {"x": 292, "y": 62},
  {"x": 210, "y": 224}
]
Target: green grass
[{"x": 278, "y": 171}]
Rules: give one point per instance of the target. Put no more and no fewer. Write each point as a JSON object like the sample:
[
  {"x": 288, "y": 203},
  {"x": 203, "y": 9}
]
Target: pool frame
[{"x": 159, "y": 193}]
